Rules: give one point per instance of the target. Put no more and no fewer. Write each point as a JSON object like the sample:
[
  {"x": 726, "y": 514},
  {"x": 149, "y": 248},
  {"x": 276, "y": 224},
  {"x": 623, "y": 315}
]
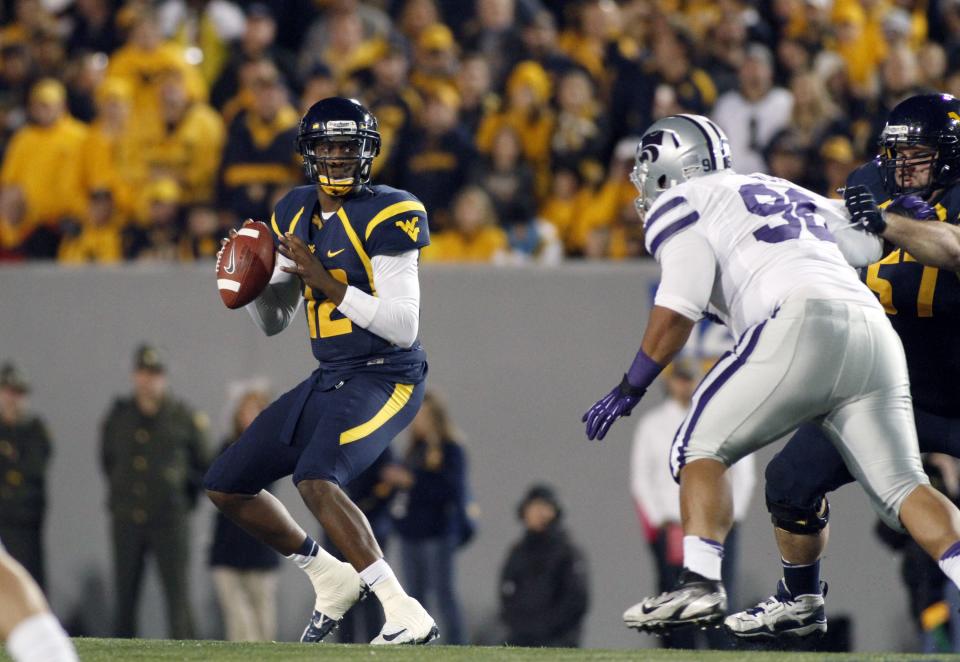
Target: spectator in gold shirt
[
  {"x": 259, "y": 157},
  {"x": 528, "y": 112},
  {"x": 111, "y": 158},
  {"x": 97, "y": 238},
  {"x": 435, "y": 59},
  {"x": 43, "y": 162},
  {"x": 187, "y": 143},
  {"x": 144, "y": 59},
  {"x": 475, "y": 235}
]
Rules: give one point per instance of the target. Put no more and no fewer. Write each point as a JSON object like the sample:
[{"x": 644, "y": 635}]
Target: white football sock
[
  {"x": 380, "y": 577},
  {"x": 335, "y": 582},
  {"x": 950, "y": 563},
  {"x": 702, "y": 556},
  {"x": 40, "y": 638}
]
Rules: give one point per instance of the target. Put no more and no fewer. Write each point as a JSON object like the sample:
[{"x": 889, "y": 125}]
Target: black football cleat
[{"x": 321, "y": 625}]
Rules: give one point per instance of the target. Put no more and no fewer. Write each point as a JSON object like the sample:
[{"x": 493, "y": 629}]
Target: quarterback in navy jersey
[
  {"x": 916, "y": 181},
  {"x": 350, "y": 251}
]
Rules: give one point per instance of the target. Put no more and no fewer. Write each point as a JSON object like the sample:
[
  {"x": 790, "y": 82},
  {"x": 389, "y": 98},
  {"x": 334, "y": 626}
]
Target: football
[{"x": 245, "y": 264}]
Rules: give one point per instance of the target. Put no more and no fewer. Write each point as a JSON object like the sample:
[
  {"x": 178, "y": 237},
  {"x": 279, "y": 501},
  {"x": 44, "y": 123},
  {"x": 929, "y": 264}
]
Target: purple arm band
[{"x": 643, "y": 370}]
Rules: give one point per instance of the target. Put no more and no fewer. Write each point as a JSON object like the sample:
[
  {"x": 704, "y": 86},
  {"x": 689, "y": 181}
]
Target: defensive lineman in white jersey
[{"x": 813, "y": 345}]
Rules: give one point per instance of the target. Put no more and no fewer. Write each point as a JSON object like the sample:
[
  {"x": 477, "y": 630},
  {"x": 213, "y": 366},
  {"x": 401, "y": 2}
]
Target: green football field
[{"x": 134, "y": 650}]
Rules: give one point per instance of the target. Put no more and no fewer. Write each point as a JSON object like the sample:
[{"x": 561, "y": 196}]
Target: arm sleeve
[
  {"x": 278, "y": 303},
  {"x": 689, "y": 268},
  {"x": 859, "y": 248},
  {"x": 394, "y": 314}
]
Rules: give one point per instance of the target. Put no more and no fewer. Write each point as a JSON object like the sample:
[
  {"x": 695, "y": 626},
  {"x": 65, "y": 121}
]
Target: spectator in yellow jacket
[
  {"x": 97, "y": 238},
  {"x": 43, "y": 161},
  {"x": 145, "y": 58},
  {"x": 569, "y": 201},
  {"x": 528, "y": 112},
  {"x": 111, "y": 158},
  {"x": 259, "y": 157},
  {"x": 187, "y": 142},
  {"x": 609, "y": 207},
  {"x": 475, "y": 236},
  {"x": 436, "y": 60}
]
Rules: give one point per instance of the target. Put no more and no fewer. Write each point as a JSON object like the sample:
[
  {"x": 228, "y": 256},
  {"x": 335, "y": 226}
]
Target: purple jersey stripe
[
  {"x": 952, "y": 551},
  {"x": 678, "y": 435},
  {"x": 667, "y": 206},
  {"x": 713, "y": 543},
  {"x": 712, "y": 389},
  {"x": 673, "y": 229}
]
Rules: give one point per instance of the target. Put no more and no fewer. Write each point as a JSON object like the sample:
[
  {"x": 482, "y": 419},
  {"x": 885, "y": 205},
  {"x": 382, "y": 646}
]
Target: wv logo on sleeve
[{"x": 410, "y": 227}]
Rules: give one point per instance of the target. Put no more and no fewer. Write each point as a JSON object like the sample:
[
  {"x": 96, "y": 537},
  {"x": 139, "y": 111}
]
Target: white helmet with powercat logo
[{"x": 675, "y": 149}]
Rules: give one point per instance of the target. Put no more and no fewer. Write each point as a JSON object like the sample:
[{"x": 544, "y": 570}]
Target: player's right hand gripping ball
[{"x": 245, "y": 264}]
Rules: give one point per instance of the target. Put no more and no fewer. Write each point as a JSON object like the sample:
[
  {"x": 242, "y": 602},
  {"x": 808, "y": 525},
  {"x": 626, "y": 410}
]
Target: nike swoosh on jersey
[
  {"x": 231, "y": 262},
  {"x": 391, "y": 637},
  {"x": 335, "y": 253}
]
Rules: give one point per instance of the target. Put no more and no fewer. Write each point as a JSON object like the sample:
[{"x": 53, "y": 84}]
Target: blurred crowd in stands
[{"x": 143, "y": 130}]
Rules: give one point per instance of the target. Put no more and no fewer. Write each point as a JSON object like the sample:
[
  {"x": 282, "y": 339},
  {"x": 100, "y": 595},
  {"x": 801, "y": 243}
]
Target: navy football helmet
[
  {"x": 924, "y": 120},
  {"x": 338, "y": 140}
]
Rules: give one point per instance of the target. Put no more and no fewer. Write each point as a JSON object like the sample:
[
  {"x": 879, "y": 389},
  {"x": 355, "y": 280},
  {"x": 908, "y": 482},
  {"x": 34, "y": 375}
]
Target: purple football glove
[
  {"x": 913, "y": 206},
  {"x": 618, "y": 402}
]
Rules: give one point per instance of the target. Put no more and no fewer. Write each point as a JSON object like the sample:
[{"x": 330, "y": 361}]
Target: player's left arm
[
  {"x": 932, "y": 244},
  {"x": 907, "y": 223},
  {"x": 394, "y": 314},
  {"x": 393, "y": 239}
]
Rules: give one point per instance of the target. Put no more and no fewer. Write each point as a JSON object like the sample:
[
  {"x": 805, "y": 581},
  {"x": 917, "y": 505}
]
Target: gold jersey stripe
[
  {"x": 392, "y": 210},
  {"x": 357, "y": 246},
  {"x": 296, "y": 219},
  {"x": 400, "y": 396}
]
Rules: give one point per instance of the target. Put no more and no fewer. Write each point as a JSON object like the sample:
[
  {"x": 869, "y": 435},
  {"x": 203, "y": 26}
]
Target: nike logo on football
[
  {"x": 231, "y": 262},
  {"x": 391, "y": 637},
  {"x": 335, "y": 253}
]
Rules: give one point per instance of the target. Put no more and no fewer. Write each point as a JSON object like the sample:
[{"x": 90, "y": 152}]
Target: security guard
[
  {"x": 154, "y": 456},
  {"x": 24, "y": 458}
]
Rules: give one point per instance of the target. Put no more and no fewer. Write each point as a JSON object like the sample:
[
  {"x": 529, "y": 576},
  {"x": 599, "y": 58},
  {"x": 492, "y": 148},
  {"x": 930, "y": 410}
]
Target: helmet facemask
[
  {"x": 896, "y": 167},
  {"x": 661, "y": 163},
  {"x": 339, "y": 163}
]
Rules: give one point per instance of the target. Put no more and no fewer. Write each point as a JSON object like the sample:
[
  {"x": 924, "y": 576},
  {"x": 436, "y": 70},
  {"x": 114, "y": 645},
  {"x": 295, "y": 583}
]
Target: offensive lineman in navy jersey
[
  {"x": 915, "y": 178},
  {"x": 350, "y": 251}
]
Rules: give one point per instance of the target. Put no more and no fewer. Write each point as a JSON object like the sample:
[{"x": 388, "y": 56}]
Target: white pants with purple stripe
[{"x": 836, "y": 363}]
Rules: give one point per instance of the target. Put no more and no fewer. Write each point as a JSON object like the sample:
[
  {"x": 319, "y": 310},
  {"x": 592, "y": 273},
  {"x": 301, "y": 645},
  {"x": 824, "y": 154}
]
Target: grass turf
[{"x": 141, "y": 650}]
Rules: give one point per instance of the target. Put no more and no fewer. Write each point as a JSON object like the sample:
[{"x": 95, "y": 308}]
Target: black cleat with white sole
[
  {"x": 695, "y": 600},
  {"x": 321, "y": 625}
]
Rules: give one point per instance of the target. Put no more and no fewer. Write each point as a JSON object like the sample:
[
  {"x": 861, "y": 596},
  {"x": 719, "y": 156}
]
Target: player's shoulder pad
[
  {"x": 869, "y": 175},
  {"x": 670, "y": 214},
  {"x": 390, "y": 220},
  {"x": 288, "y": 213}
]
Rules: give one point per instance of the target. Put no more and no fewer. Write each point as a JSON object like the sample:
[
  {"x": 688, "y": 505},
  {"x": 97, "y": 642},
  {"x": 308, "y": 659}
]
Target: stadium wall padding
[{"x": 519, "y": 352}]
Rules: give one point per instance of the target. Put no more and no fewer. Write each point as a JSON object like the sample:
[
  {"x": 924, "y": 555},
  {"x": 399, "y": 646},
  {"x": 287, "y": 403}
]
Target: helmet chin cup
[{"x": 336, "y": 187}]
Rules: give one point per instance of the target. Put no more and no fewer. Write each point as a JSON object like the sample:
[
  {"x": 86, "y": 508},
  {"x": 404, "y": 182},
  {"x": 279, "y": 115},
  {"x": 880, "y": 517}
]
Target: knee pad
[{"x": 803, "y": 521}]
